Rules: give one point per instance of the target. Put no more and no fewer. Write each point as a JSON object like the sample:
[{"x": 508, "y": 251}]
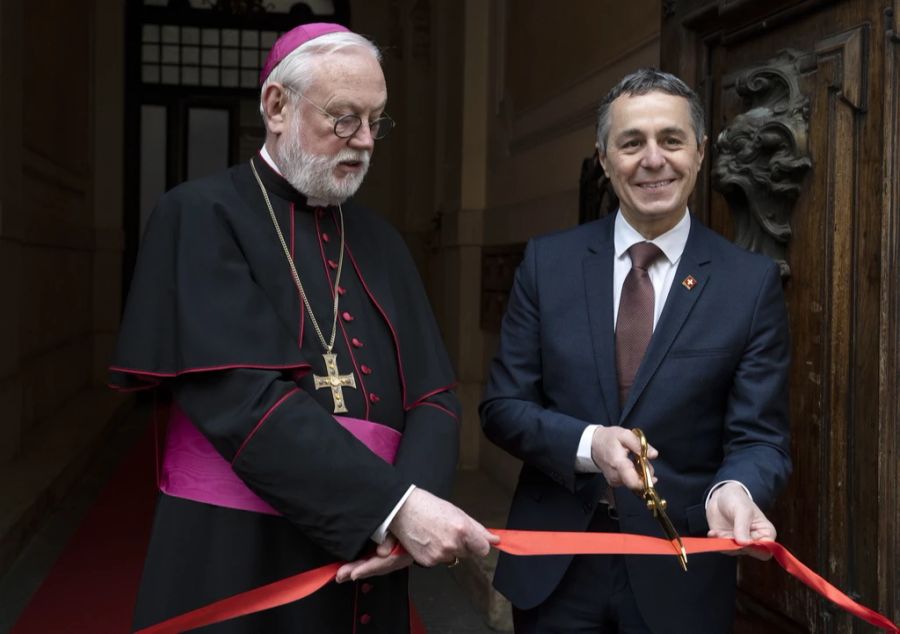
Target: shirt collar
[
  {"x": 264, "y": 153},
  {"x": 671, "y": 243}
]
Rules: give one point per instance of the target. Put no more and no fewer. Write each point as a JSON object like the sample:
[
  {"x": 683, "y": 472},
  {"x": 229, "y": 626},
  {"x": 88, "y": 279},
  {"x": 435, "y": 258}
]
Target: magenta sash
[{"x": 192, "y": 469}]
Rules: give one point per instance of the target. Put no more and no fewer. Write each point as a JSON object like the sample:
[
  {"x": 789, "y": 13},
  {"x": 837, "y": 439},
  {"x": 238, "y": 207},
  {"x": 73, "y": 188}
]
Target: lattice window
[{"x": 203, "y": 56}]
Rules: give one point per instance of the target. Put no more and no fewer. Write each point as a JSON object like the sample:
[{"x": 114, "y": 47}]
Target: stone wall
[
  {"x": 520, "y": 119},
  {"x": 61, "y": 104}
]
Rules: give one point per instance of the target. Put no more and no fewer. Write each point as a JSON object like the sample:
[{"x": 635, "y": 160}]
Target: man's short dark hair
[{"x": 641, "y": 82}]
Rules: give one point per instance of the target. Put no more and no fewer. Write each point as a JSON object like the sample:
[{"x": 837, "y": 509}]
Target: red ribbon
[
  {"x": 264, "y": 597},
  {"x": 519, "y": 543}
]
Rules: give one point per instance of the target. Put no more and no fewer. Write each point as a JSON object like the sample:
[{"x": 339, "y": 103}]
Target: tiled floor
[{"x": 441, "y": 603}]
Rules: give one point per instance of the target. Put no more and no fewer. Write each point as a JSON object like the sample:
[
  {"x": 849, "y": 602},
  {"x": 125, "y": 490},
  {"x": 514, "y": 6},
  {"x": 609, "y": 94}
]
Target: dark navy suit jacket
[{"x": 711, "y": 396}]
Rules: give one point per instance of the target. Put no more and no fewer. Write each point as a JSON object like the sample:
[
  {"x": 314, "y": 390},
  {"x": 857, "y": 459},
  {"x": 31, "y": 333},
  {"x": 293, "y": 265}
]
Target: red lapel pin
[{"x": 689, "y": 282}]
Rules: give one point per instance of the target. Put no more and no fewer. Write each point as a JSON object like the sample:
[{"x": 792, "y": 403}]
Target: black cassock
[{"x": 215, "y": 321}]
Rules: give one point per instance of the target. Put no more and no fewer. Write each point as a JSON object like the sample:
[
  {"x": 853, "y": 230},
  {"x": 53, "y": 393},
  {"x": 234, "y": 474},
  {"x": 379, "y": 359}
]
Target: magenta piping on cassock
[
  {"x": 406, "y": 404},
  {"x": 211, "y": 368},
  {"x": 262, "y": 421},
  {"x": 436, "y": 406},
  {"x": 193, "y": 470},
  {"x": 302, "y": 324},
  {"x": 387, "y": 320},
  {"x": 423, "y": 400}
]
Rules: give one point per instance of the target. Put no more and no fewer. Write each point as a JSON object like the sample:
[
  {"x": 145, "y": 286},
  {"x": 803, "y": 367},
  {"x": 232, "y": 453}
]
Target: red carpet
[{"x": 92, "y": 586}]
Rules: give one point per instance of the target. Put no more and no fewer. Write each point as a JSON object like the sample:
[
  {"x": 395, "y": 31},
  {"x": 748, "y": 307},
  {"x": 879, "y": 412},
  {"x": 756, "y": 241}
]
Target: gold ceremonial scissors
[{"x": 655, "y": 503}]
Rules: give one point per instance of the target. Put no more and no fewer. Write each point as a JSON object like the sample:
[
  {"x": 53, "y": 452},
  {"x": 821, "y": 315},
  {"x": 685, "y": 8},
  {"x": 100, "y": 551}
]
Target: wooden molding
[
  {"x": 889, "y": 354},
  {"x": 849, "y": 76}
]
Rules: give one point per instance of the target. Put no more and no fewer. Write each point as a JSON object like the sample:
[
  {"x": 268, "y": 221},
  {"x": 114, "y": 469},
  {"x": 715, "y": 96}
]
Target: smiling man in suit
[{"x": 646, "y": 319}]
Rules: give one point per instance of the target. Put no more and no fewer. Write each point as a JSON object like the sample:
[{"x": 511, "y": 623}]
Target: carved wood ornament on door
[{"x": 762, "y": 155}]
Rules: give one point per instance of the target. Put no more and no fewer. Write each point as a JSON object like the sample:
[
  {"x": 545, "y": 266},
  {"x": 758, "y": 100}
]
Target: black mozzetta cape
[{"x": 215, "y": 320}]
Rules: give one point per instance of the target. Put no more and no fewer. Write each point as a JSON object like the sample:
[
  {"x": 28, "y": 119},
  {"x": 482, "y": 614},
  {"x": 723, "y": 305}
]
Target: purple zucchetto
[{"x": 292, "y": 40}]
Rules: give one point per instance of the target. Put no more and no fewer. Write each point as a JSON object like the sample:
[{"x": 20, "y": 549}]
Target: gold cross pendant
[{"x": 336, "y": 381}]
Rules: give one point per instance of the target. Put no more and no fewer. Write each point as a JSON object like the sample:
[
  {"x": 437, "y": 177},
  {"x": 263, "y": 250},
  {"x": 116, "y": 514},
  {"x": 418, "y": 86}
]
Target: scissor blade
[
  {"x": 674, "y": 537},
  {"x": 682, "y": 555}
]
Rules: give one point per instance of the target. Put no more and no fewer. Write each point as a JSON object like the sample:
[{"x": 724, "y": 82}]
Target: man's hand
[
  {"x": 611, "y": 449},
  {"x": 434, "y": 531},
  {"x": 733, "y": 515},
  {"x": 384, "y": 561}
]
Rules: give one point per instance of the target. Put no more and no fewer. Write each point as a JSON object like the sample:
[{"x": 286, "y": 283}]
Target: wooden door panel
[{"x": 839, "y": 512}]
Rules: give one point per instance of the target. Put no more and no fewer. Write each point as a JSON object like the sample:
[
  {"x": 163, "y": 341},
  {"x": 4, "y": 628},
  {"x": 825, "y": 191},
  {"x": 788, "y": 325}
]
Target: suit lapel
[
  {"x": 695, "y": 263},
  {"x": 598, "y": 291}
]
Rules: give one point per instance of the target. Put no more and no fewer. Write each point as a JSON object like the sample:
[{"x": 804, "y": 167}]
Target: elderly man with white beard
[{"x": 310, "y": 409}]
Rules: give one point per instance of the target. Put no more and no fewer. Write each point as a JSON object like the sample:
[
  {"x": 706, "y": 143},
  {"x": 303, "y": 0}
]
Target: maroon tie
[{"x": 634, "y": 325}]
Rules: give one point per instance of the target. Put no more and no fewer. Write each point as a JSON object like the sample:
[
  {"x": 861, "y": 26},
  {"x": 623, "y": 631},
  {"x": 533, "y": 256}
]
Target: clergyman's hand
[
  {"x": 434, "y": 531},
  {"x": 611, "y": 451},
  {"x": 733, "y": 515},
  {"x": 384, "y": 561}
]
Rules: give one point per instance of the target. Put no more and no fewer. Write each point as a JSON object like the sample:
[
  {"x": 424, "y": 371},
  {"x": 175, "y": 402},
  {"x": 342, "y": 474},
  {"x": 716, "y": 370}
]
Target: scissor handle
[
  {"x": 651, "y": 497},
  {"x": 644, "y": 445}
]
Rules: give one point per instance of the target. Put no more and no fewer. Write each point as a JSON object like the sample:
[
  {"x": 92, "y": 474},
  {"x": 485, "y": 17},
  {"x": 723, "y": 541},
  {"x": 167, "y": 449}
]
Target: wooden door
[{"x": 808, "y": 171}]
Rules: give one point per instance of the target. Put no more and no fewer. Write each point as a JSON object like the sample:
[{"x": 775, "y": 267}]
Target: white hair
[{"x": 297, "y": 69}]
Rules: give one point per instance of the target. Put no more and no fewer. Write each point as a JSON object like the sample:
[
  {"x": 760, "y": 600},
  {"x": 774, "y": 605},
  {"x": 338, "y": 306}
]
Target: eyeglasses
[{"x": 347, "y": 125}]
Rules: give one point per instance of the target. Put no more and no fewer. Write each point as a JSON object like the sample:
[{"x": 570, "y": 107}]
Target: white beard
[{"x": 314, "y": 174}]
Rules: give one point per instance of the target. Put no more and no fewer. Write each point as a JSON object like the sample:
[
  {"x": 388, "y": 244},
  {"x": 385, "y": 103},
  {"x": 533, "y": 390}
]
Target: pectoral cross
[{"x": 336, "y": 381}]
